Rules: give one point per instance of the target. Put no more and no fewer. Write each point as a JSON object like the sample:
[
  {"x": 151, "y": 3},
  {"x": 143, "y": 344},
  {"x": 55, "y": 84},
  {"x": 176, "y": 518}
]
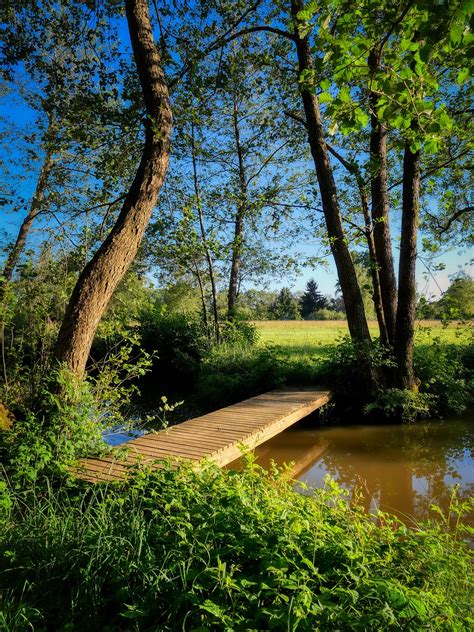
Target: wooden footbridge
[{"x": 220, "y": 436}]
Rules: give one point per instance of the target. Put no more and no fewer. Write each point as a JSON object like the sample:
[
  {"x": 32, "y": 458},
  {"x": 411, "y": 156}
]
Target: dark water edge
[{"x": 401, "y": 469}]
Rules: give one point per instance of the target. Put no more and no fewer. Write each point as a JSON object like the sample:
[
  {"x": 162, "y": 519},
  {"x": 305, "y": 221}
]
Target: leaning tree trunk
[
  {"x": 405, "y": 325},
  {"x": 351, "y": 293},
  {"x": 27, "y": 222},
  {"x": 102, "y": 274},
  {"x": 238, "y": 222},
  {"x": 380, "y": 210}
]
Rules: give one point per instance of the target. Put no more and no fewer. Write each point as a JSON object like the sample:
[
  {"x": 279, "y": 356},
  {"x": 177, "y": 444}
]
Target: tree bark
[
  {"x": 102, "y": 274},
  {"x": 35, "y": 208},
  {"x": 374, "y": 268},
  {"x": 380, "y": 209},
  {"x": 242, "y": 203},
  {"x": 210, "y": 265},
  {"x": 405, "y": 324},
  {"x": 351, "y": 293}
]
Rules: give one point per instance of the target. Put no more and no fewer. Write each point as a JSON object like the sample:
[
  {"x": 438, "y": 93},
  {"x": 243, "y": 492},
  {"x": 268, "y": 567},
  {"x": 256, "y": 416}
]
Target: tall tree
[
  {"x": 312, "y": 299},
  {"x": 400, "y": 88},
  {"x": 285, "y": 306},
  {"x": 102, "y": 274},
  {"x": 332, "y": 213}
]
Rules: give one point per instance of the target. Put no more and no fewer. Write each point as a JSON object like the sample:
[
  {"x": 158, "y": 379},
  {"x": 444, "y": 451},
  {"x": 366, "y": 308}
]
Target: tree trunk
[
  {"x": 405, "y": 325},
  {"x": 35, "y": 208},
  {"x": 351, "y": 293},
  {"x": 374, "y": 268},
  {"x": 380, "y": 209},
  {"x": 102, "y": 274},
  {"x": 203, "y": 299},
  {"x": 238, "y": 222},
  {"x": 210, "y": 265}
]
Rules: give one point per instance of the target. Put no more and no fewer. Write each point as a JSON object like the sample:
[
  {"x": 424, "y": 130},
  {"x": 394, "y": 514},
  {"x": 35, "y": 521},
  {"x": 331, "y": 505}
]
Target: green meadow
[{"x": 312, "y": 340}]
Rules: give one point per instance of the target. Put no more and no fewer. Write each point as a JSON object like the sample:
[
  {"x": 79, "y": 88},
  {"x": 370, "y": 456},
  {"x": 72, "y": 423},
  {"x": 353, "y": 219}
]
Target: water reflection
[{"x": 401, "y": 469}]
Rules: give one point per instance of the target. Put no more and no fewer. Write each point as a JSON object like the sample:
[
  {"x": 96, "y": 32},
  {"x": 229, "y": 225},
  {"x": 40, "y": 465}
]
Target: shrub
[
  {"x": 347, "y": 370},
  {"x": 65, "y": 427},
  {"x": 445, "y": 374},
  {"x": 178, "y": 342},
  {"x": 327, "y": 314},
  {"x": 230, "y": 373},
  {"x": 400, "y": 405},
  {"x": 239, "y": 332},
  {"x": 221, "y": 550}
]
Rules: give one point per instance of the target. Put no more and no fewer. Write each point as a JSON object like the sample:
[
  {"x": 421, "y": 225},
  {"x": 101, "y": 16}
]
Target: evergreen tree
[
  {"x": 285, "y": 306},
  {"x": 312, "y": 299}
]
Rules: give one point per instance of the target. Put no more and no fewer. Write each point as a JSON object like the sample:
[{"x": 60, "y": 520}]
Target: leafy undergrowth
[{"x": 221, "y": 550}]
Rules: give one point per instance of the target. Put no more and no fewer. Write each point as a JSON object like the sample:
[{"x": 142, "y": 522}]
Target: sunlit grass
[{"x": 313, "y": 339}]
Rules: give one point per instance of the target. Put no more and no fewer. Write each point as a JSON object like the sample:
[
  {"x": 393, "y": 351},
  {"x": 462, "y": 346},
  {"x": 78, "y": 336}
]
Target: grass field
[{"x": 311, "y": 339}]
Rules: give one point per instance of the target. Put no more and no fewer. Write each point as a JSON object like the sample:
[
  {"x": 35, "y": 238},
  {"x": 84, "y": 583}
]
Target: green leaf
[
  {"x": 456, "y": 33},
  {"x": 463, "y": 74},
  {"x": 325, "y": 97}
]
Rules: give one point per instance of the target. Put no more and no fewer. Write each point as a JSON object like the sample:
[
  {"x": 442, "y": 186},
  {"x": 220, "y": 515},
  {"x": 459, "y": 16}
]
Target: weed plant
[{"x": 223, "y": 550}]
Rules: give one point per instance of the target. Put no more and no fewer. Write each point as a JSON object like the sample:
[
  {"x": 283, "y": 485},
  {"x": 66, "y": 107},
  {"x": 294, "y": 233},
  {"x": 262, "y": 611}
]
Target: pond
[{"x": 402, "y": 469}]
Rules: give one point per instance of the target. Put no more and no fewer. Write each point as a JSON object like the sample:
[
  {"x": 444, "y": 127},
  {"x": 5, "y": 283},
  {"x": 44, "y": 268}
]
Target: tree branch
[
  {"x": 434, "y": 169},
  {"x": 224, "y": 40},
  {"x": 443, "y": 228}
]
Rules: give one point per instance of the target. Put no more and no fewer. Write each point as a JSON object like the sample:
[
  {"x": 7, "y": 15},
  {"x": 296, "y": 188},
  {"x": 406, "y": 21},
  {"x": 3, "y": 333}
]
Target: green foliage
[
  {"x": 458, "y": 300},
  {"x": 348, "y": 367},
  {"x": 239, "y": 333},
  {"x": 285, "y": 306},
  {"x": 457, "y": 303},
  {"x": 32, "y": 316},
  {"x": 327, "y": 314},
  {"x": 46, "y": 443},
  {"x": 230, "y": 373},
  {"x": 179, "y": 342},
  {"x": 400, "y": 405},
  {"x": 113, "y": 379},
  {"x": 254, "y": 304},
  {"x": 446, "y": 375},
  {"x": 312, "y": 300},
  {"x": 221, "y": 550}
]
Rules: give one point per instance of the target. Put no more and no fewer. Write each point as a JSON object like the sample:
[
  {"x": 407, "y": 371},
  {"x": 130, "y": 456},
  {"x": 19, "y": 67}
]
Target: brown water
[{"x": 402, "y": 469}]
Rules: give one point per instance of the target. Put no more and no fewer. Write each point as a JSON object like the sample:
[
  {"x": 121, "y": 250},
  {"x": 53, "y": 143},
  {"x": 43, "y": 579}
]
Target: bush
[
  {"x": 221, "y": 550},
  {"x": 348, "y": 369},
  {"x": 46, "y": 442},
  {"x": 445, "y": 374},
  {"x": 327, "y": 314},
  {"x": 400, "y": 405},
  {"x": 231, "y": 373},
  {"x": 239, "y": 333},
  {"x": 178, "y": 341}
]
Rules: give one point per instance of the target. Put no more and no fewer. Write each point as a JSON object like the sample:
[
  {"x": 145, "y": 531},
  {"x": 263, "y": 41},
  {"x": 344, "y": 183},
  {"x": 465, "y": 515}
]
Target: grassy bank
[{"x": 221, "y": 550}]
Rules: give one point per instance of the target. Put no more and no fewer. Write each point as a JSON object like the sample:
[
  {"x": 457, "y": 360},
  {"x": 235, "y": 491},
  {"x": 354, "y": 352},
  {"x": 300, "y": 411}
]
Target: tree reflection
[{"x": 400, "y": 469}]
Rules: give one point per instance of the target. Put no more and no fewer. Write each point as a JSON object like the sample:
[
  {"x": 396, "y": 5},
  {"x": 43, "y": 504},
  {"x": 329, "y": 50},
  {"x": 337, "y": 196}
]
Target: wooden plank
[
  {"x": 167, "y": 443},
  {"x": 213, "y": 434},
  {"x": 194, "y": 443},
  {"x": 219, "y": 436}
]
